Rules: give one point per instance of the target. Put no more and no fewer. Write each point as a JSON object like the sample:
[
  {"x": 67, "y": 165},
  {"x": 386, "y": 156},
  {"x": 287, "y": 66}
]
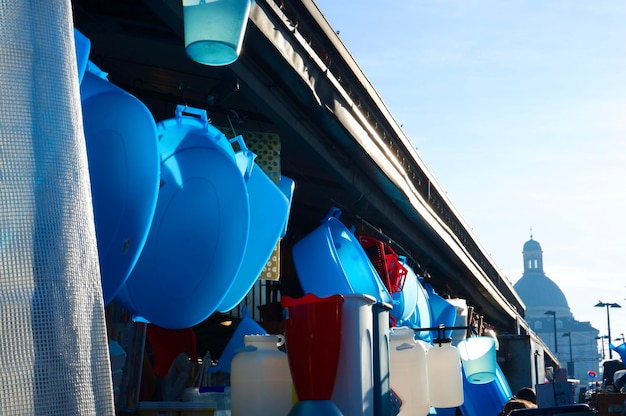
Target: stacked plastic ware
[
  {"x": 313, "y": 338},
  {"x": 330, "y": 260},
  {"x": 200, "y": 229}
]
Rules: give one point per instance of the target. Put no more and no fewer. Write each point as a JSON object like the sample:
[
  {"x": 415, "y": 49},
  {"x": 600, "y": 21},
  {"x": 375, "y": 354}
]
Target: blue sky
[{"x": 518, "y": 108}]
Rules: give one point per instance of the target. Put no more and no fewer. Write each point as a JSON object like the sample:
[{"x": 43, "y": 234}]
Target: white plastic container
[
  {"x": 445, "y": 378},
  {"x": 408, "y": 372},
  {"x": 260, "y": 379}
]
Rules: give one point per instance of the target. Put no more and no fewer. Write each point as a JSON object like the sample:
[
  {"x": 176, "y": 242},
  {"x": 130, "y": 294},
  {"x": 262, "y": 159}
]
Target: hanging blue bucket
[
  {"x": 214, "y": 30},
  {"x": 268, "y": 214},
  {"x": 123, "y": 156},
  {"x": 478, "y": 356},
  {"x": 330, "y": 260},
  {"x": 200, "y": 228}
]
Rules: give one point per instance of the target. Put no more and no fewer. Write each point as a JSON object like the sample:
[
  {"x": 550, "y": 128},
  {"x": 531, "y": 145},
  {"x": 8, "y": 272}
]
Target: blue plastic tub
[
  {"x": 123, "y": 157},
  {"x": 330, "y": 260},
  {"x": 268, "y": 214},
  {"x": 200, "y": 229}
]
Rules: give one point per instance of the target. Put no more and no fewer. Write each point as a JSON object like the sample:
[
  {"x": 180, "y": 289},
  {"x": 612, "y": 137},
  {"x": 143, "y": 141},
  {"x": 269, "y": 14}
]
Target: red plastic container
[{"x": 313, "y": 338}]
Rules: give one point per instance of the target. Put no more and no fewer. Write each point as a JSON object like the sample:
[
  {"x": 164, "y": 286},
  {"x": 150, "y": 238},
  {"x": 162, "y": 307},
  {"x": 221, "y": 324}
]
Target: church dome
[
  {"x": 531, "y": 245},
  {"x": 538, "y": 292}
]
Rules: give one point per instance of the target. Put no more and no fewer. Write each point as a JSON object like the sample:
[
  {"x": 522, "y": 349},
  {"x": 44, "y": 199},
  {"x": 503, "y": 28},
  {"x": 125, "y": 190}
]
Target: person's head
[
  {"x": 516, "y": 404},
  {"x": 526, "y": 393}
]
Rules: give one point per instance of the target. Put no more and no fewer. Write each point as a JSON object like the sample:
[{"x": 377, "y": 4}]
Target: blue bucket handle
[
  {"x": 181, "y": 110},
  {"x": 333, "y": 213},
  {"x": 249, "y": 154}
]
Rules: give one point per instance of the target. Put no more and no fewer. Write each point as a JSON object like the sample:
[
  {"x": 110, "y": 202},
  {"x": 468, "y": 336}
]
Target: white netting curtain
[{"x": 53, "y": 345}]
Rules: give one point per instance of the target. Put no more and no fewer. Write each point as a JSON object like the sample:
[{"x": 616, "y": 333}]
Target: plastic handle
[
  {"x": 281, "y": 340},
  {"x": 181, "y": 110},
  {"x": 334, "y": 213},
  {"x": 247, "y": 153},
  {"x": 247, "y": 348},
  {"x": 405, "y": 346}
]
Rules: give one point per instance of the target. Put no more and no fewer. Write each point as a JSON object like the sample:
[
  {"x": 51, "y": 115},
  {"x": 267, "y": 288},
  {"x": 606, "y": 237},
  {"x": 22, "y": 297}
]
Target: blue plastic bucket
[
  {"x": 478, "y": 356},
  {"x": 200, "y": 229},
  {"x": 330, "y": 260},
  {"x": 486, "y": 399},
  {"x": 268, "y": 215},
  {"x": 123, "y": 156},
  {"x": 214, "y": 29}
]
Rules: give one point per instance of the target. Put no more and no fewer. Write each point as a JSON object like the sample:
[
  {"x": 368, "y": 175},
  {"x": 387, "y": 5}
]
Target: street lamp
[
  {"x": 602, "y": 338},
  {"x": 570, "y": 363},
  {"x": 601, "y": 304},
  {"x": 556, "y": 344}
]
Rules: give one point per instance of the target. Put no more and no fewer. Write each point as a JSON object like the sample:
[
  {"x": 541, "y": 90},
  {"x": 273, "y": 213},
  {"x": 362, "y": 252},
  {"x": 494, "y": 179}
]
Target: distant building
[{"x": 546, "y": 306}]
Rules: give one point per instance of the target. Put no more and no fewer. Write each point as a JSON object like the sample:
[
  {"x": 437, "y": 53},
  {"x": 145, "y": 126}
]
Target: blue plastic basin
[
  {"x": 330, "y": 260},
  {"x": 200, "y": 229},
  {"x": 123, "y": 156},
  {"x": 268, "y": 214}
]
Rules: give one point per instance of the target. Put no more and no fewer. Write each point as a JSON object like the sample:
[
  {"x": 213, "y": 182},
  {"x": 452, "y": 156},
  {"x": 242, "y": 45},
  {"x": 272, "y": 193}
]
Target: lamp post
[
  {"x": 601, "y": 304},
  {"x": 556, "y": 344},
  {"x": 602, "y": 338},
  {"x": 570, "y": 363}
]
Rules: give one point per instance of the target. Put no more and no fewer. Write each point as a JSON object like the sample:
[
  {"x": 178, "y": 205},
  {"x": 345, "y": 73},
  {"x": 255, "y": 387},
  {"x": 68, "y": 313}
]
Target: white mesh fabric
[{"x": 53, "y": 344}]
